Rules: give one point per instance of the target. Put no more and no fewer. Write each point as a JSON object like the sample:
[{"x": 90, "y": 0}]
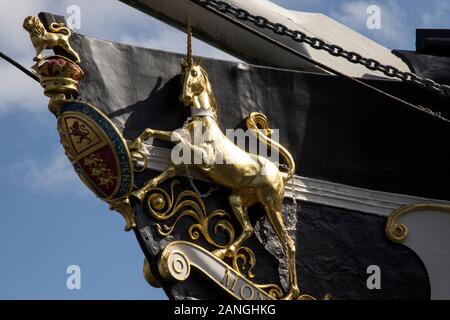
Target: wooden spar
[{"x": 249, "y": 48}]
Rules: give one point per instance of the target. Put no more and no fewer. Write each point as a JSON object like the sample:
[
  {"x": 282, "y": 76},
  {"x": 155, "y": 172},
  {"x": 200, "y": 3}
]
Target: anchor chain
[{"x": 332, "y": 49}]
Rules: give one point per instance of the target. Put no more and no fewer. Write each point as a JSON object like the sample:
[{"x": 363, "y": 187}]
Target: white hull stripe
[{"x": 323, "y": 192}]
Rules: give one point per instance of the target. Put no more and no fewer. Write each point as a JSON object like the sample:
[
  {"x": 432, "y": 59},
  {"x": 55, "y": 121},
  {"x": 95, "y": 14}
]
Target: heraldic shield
[{"x": 96, "y": 149}]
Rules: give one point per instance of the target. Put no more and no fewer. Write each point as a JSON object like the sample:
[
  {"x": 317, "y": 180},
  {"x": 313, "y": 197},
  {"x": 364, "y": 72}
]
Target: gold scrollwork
[
  {"x": 163, "y": 206},
  {"x": 247, "y": 257},
  {"x": 272, "y": 290},
  {"x": 398, "y": 232}
]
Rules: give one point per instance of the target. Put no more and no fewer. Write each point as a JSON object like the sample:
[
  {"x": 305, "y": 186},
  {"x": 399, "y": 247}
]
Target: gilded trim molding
[{"x": 398, "y": 232}]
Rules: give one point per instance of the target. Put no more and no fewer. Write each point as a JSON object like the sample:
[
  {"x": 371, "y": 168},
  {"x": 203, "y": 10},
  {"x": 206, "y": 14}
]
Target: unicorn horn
[{"x": 190, "y": 59}]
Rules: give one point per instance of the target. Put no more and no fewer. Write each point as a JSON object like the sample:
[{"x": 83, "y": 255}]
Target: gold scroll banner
[{"x": 179, "y": 257}]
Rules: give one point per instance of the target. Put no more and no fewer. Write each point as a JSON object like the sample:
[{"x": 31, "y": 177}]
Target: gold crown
[{"x": 58, "y": 75}]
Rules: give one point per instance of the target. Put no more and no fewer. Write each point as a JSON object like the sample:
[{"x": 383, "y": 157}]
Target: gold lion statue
[{"x": 57, "y": 37}]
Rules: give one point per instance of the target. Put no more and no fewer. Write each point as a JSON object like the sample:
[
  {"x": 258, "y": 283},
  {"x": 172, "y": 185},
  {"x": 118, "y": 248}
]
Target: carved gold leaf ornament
[
  {"x": 272, "y": 289},
  {"x": 247, "y": 257},
  {"x": 83, "y": 128},
  {"x": 164, "y": 207},
  {"x": 245, "y": 179},
  {"x": 107, "y": 164},
  {"x": 398, "y": 232}
]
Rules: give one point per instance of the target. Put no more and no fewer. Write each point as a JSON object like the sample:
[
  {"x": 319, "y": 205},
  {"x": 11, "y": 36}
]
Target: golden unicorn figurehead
[{"x": 252, "y": 179}]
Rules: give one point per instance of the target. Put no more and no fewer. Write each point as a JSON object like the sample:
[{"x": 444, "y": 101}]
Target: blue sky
[{"x": 49, "y": 219}]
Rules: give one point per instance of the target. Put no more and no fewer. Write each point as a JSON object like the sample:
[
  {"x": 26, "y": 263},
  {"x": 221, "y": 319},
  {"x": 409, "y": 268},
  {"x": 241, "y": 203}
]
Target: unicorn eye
[{"x": 194, "y": 73}]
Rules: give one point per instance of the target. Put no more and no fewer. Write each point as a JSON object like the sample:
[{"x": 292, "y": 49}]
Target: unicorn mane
[{"x": 212, "y": 98}]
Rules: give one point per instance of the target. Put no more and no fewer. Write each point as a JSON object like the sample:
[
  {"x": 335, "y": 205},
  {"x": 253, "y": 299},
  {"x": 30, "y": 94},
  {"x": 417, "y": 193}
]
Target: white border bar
[{"x": 322, "y": 192}]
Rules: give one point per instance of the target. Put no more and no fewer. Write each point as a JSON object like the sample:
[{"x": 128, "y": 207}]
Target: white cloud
[
  {"x": 117, "y": 22},
  {"x": 394, "y": 27},
  {"x": 54, "y": 175},
  {"x": 18, "y": 91}
]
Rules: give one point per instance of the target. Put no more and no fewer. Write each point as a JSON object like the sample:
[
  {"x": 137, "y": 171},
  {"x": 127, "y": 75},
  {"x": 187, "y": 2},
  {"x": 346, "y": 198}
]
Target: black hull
[{"x": 337, "y": 131}]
